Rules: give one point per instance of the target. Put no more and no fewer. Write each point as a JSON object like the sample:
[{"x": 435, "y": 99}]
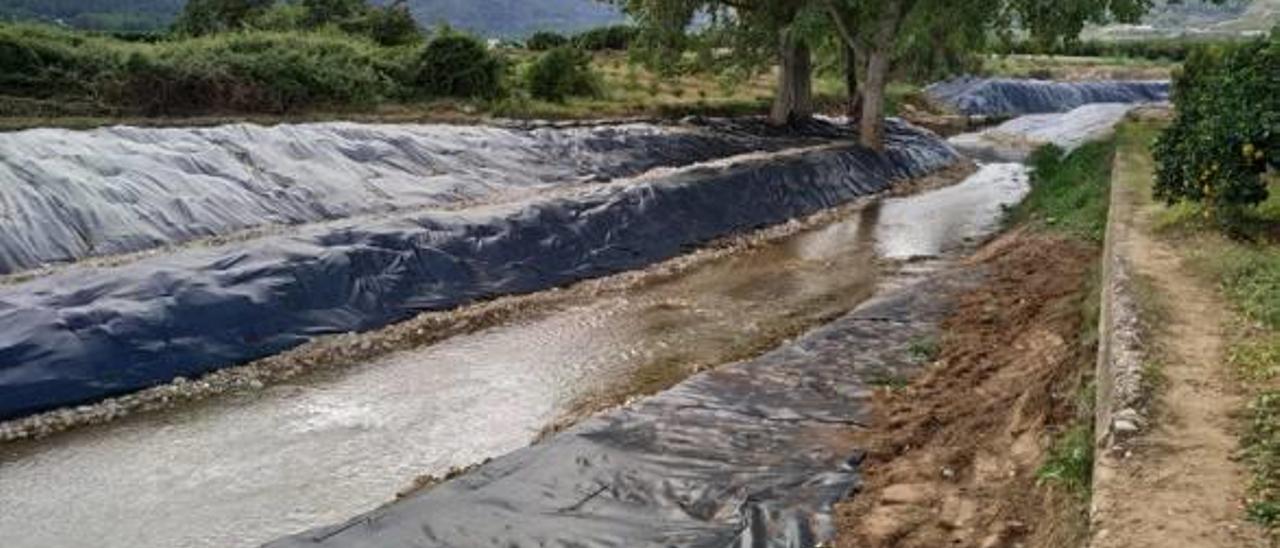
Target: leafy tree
[
  {"x": 546, "y": 40},
  {"x": 200, "y": 17},
  {"x": 760, "y": 32},
  {"x": 616, "y": 37},
  {"x": 332, "y": 12},
  {"x": 1227, "y": 128},
  {"x": 457, "y": 65},
  {"x": 877, "y": 31},
  {"x": 561, "y": 73},
  {"x": 282, "y": 17},
  {"x": 390, "y": 25}
]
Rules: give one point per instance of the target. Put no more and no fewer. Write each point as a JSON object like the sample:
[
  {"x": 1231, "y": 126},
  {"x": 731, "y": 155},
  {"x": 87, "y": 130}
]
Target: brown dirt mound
[{"x": 952, "y": 459}]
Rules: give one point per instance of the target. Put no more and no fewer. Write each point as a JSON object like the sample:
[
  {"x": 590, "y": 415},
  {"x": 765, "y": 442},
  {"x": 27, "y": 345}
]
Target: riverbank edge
[{"x": 1119, "y": 409}]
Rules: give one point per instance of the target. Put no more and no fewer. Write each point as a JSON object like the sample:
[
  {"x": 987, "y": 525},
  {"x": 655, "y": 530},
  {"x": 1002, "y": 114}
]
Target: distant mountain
[
  {"x": 1197, "y": 18},
  {"x": 499, "y": 18},
  {"x": 95, "y": 14},
  {"x": 515, "y": 18}
]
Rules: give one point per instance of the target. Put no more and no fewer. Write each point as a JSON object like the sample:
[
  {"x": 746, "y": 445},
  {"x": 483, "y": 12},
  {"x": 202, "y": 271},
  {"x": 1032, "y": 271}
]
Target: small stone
[{"x": 1124, "y": 427}]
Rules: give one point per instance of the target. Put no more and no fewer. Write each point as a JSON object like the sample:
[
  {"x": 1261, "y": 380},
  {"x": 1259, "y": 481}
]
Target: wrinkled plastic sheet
[
  {"x": 1015, "y": 140},
  {"x": 67, "y": 195},
  {"x": 753, "y": 454},
  {"x": 82, "y": 334},
  {"x": 1015, "y": 97}
]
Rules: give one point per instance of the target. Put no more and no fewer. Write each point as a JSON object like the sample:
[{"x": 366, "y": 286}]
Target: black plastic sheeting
[
  {"x": 1013, "y": 97},
  {"x": 741, "y": 456},
  {"x": 67, "y": 195},
  {"x": 86, "y": 333}
]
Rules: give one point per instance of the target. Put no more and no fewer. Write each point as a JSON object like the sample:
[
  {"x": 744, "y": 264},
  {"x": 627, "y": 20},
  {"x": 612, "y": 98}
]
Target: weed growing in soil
[
  {"x": 1262, "y": 449},
  {"x": 924, "y": 349},
  {"x": 1069, "y": 192},
  {"x": 889, "y": 381},
  {"x": 1070, "y": 461},
  {"x": 1256, "y": 359}
]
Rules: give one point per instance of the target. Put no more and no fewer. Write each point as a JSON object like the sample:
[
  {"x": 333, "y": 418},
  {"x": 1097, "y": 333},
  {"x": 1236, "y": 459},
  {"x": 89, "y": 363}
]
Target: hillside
[
  {"x": 1197, "y": 18},
  {"x": 507, "y": 18}
]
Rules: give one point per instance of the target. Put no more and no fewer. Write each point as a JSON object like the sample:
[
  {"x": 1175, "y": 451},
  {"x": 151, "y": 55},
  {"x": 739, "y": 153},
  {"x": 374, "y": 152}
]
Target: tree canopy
[
  {"x": 881, "y": 37},
  {"x": 390, "y": 25}
]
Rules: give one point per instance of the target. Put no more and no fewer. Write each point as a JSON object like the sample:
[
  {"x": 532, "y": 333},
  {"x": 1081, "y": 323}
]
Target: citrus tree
[{"x": 1226, "y": 130}]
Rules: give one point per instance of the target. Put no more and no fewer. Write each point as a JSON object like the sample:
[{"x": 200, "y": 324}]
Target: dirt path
[
  {"x": 1177, "y": 484},
  {"x": 953, "y": 458}
]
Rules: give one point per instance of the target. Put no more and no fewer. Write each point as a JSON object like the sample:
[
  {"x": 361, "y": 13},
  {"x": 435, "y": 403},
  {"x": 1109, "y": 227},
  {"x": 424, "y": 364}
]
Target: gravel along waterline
[{"x": 244, "y": 468}]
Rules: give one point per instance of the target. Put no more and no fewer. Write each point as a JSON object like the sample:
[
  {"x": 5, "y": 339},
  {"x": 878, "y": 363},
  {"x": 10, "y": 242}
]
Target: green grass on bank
[
  {"x": 1069, "y": 463},
  {"x": 1069, "y": 196},
  {"x": 1069, "y": 192}
]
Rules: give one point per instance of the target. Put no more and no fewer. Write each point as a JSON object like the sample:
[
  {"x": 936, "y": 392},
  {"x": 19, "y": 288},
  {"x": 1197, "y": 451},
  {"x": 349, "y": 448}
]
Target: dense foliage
[
  {"x": 615, "y": 37},
  {"x": 1069, "y": 191},
  {"x": 1226, "y": 130},
  {"x": 255, "y": 72},
  {"x": 45, "y": 70},
  {"x": 546, "y": 40},
  {"x": 561, "y": 73},
  {"x": 1158, "y": 49},
  {"x": 390, "y": 25},
  {"x": 458, "y": 65}
]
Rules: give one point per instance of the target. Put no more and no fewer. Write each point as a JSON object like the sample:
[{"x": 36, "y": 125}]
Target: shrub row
[
  {"x": 264, "y": 71},
  {"x": 616, "y": 37},
  {"x": 1169, "y": 49}
]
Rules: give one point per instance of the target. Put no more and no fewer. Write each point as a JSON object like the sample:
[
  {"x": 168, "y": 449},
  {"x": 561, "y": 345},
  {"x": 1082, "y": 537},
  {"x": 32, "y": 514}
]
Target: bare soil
[
  {"x": 953, "y": 458},
  {"x": 1180, "y": 483}
]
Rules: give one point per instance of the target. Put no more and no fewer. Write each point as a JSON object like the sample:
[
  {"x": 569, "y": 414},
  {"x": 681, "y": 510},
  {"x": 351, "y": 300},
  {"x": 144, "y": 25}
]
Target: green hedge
[
  {"x": 252, "y": 71},
  {"x": 457, "y": 65},
  {"x": 545, "y": 41},
  {"x": 40, "y": 61},
  {"x": 616, "y": 37},
  {"x": 562, "y": 73},
  {"x": 1226, "y": 130},
  {"x": 1168, "y": 49}
]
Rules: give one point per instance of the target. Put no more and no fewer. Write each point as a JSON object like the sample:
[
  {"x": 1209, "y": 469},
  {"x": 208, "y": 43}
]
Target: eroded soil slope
[{"x": 953, "y": 457}]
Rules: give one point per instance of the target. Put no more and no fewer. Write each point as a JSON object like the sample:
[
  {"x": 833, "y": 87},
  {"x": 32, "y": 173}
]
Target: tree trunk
[
  {"x": 852, "y": 64},
  {"x": 794, "y": 101},
  {"x": 871, "y": 128}
]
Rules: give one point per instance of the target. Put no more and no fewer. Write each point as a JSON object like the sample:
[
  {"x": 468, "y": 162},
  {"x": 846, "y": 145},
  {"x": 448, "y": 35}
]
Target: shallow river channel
[{"x": 241, "y": 470}]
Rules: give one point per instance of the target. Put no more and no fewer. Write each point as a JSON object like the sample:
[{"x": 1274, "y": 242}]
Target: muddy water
[{"x": 241, "y": 470}]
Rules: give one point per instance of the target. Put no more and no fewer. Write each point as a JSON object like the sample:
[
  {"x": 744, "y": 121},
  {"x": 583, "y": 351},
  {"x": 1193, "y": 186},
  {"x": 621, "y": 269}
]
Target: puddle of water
[{"x": 242, "y": 470}]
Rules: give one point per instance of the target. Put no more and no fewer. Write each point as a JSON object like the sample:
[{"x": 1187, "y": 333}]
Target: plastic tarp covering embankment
[
  {"x": 1014, "y": 97},
  {"x": 1015, "y": 140},
  {"x": 85, "y": 333},
  {"x": 749, "y": 455},
  {"x": 67, "y": 195}
]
